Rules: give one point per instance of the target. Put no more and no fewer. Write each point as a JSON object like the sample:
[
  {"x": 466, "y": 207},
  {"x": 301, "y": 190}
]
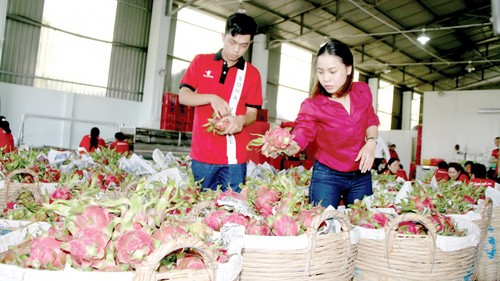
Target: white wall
[
  {"x": 451, "y": 118},
  {"x": 16, "y": 100}
]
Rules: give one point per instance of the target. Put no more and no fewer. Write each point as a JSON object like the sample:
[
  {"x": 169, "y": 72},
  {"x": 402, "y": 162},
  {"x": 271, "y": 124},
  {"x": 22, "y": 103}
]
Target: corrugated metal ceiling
[{"x": 383, "y": 34}]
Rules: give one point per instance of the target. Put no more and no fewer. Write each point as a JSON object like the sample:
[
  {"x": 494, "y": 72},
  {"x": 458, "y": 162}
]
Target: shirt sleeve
[
  {"x": 189, "y": 79},
  {"x": 255, "y": 89},
  {"x": 304, "y": 130},
  {"x": 367, "y": 95}
]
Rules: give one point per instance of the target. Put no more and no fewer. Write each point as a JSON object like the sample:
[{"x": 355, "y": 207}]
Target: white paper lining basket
[
  {"x": 383, "y": 254},
  {"x": 310, "y": 256}
]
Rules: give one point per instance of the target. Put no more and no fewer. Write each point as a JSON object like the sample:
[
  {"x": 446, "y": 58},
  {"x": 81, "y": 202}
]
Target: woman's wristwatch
[{"x": 371, "y": 138}]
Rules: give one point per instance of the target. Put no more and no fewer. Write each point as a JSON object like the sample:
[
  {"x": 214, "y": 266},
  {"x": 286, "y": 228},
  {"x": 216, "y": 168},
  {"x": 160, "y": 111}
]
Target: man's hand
[{"x": 236, "y": 124}]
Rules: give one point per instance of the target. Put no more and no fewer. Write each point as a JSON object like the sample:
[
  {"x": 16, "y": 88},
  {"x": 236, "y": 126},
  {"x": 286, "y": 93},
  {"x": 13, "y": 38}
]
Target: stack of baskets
[
  {"x": 311, "y": 256},
  {"x": 414, "y": 257}
]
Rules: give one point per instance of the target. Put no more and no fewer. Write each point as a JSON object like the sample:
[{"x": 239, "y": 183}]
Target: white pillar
[
  {"x": 260, "y": 59},
  {"x": 373, "y": 84},
  {"x": 159, "y": 35},
  {"x": 406, "y": 114},
  {"x": 3, "y": 18}
]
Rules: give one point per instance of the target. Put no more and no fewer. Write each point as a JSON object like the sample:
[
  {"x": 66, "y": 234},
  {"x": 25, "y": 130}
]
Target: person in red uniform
[
  {"x": 6, "y": 138},
  {"x": 225, "y": 85},
  {"x": 394, "y": 168},
  {"x": 340, "y": 117},
  {"x": 93, "y": 141},
  {"x": 120, "y": 144},
  {"x": 442, "y": 171},
  {"x": 494, "y": 156},
  {"x": 478, "y": 172},
  {"x": 392, "y": 151},
  {"x": 457, "y": 173}
]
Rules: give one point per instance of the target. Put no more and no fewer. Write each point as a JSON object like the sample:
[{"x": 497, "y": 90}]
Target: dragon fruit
[
  {"x": 265, "y": 200},
  {"x": 284, "y": 225},
  {"x": 133, "y": 246},
  {"x": 257, "y": 227},
  {"x": 46, "y": 253},
  {"x": 216, "y": 125},
  {"x": 61, "y": 193},
  {"x": 87, "y": 247},
  {"x": 190, "y": 261},
  {"x": 275, "y": 141}
]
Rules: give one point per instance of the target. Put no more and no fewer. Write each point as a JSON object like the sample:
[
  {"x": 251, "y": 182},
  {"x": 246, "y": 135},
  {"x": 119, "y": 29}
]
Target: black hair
[
  {"x": 239, "y": 23},
  {"x": 120, "y": 136},
  {"x": 478, "y": 170},
  {"x": 94, "y": 137},
  {"x": 458, "y": 168},
  {"x": 4, "y": 124},
  {"x": 392, "y": 160},
  {"x": 443, "y": 165},
  {"x": 341, "y": 50}
]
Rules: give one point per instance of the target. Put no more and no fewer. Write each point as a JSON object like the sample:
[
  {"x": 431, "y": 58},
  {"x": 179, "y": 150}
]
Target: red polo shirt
[
  {"x": 495, "y": 153},
  {"x": 208, "y": 74},
  {"x": 483, "y": 182},
  {"x": 339, "y": 135},
  {"x": 120, "y": 146},
  {"x": 441, "y": 174},
  {"x": 85, "y": 143},
  {"x": 6, "y": 141}
]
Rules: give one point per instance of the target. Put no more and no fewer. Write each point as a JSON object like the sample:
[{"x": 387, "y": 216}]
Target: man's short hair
[{"x": 240, "y": 23}]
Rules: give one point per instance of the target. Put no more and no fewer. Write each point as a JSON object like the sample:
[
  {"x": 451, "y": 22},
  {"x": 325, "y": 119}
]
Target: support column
[
  {"x": 406, "y": 113},
  {"x": 260, "y": 59},
  {"x": 159, "y": 36},
  {"x": 373, "y": 84},
  {"x": 3, "y": 17}
]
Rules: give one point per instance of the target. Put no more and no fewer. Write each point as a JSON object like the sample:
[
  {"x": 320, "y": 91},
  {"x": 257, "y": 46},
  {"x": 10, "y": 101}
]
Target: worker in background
[
  {"x": 392, "y": 151},
  {"x": 382, "y": 155},
  {"x": 92, "y": 141},
  {"x": 120, "y": 144},
  {"x": 6, "y": 138}
]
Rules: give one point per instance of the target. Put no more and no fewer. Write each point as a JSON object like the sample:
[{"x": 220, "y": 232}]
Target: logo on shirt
[{"x": 208, "y": 74}]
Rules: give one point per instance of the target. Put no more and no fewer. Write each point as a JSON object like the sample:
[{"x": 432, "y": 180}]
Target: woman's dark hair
[
  {"x": 341, "y": 50},
  {"x": 239, "y": 23},
  {"x": 478, "y": 170},
  {"x": 392, "y": 160},
  {"x": 120, "y": 136},
  {"x": 4, "y": 124},
  {"x": 94, "y": 137}
]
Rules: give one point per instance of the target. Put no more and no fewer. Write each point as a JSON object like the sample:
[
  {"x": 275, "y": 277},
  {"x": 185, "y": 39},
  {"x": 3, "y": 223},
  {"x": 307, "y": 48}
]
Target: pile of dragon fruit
[{"x": 107, "y": 214}]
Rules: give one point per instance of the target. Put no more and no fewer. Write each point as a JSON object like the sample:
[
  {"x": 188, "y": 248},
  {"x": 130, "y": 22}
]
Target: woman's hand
[{"x": 366, "y": 156}]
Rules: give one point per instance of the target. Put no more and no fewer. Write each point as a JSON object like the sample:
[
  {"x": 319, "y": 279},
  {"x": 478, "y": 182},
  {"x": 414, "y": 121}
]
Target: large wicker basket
[
  {"x": 412, "y": 257},
  {"x": 324, "y": 257},
  {"x": 489, "y": 260},
  {"x": 13, "y": 189},
  {"x": 148, "y": 271}
]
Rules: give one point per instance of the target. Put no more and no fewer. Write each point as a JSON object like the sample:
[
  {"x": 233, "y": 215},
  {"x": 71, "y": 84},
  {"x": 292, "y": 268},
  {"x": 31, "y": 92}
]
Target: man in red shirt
[{"x": 224, "y": 85}]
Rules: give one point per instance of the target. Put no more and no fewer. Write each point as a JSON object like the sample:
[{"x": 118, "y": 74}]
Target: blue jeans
[
  {"x": 223, "y": 175},
  {"x": 328, "y": 186}
]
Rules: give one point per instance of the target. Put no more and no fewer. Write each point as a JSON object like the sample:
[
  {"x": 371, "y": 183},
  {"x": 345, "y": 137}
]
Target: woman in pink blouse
[{"x": 340, "y": 117}]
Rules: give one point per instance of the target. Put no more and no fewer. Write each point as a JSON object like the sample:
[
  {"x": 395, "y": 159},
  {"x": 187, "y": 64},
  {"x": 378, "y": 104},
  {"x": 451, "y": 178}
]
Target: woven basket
[
  {"x": 13, "y": 189},
  {"x": 326, "y": 257},
  {"x": 411, "y": 257},
  {"x": 489, "y": 260},
  {"x": 148, "y": 271}
]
